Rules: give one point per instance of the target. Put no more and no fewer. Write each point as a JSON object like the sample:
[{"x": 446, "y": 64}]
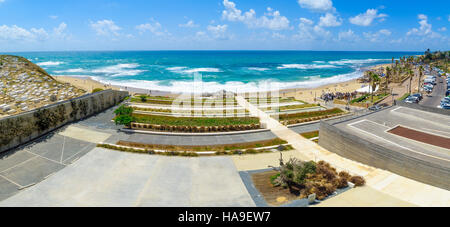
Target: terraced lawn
[
  {"x": 192, "y": 121},
  {"x": 306, "y": 115}
]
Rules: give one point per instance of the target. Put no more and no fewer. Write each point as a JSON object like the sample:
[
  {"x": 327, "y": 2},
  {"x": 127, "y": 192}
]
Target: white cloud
[
  {"x": 317, "y": 5},
  {"x": 306, "y": 21},
  {"x": 366, "y": 19},
  {"x": 106, "y": 28},
  {"x": 377, "y": 36},
  {"x": 154, "y": 27},
  {"x": 347, "y": 35},
  {"x": 218, "y": 31},
  {"x": 277, "y": 35},
  {"x": 443, "y": 29},
  {"x": 189, "y": 24},
  {"x": 272, "y": 20},
  {"x": 425, "y": 27},
  {"x": 53, "y": 17},
  {"x": 40, "y": 33},
  {"x": 60, "y": 30},
  {"x": 330, "y": 20},
  {"x": 16, "y": 33},
  {"x": 308, "y": 32}
]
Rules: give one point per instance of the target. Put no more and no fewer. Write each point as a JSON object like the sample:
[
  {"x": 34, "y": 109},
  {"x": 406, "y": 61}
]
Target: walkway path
[{"x": 383, "y": 181}]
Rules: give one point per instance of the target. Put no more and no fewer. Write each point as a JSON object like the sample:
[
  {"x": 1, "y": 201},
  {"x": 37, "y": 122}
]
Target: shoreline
[{"x": 307, "y": 94}]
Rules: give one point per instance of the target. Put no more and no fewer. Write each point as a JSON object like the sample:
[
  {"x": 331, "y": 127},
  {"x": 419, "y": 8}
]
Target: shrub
[
  {"x": 274, "y": 178},
  {"x": 123, "y": 110},
  {"x": 310, "y": 115},
  {"x": 123, "y": 116},
  {"x": 358, "y": 181},
  {"x": 143, "y": 98},
  {"x": 195, "y": 121},
  {"x": 124, "y": 120},
  {"x": 345, "y": 175}
]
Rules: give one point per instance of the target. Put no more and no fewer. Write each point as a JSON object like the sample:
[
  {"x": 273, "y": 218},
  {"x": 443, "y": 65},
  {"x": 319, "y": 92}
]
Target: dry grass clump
[
  {"x": 219, "y": 148},
  {"x": 358, "y": 181},
  {"x": 306, "y": 178}
]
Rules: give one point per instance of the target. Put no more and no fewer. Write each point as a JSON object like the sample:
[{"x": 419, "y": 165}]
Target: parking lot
[{"x": 37, "y": 161}]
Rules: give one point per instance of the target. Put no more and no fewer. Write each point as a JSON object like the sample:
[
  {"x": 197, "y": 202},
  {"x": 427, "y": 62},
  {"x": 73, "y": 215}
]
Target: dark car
[
  {"x": 418, "y": 95},
  {"x": 375, "y": 108}
]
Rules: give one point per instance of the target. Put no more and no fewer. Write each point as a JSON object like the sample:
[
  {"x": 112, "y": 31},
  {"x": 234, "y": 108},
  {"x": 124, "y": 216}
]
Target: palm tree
[
  {"x": 411, "y": 74},
  {"x": 374, "y": 79},
  {"x": 388, "y": 76},
  {"x": 420, "y": 76}
]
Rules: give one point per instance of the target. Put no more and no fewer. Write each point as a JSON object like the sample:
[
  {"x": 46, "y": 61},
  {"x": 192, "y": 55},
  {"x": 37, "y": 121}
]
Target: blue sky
[{"x": 49, "y": 25}]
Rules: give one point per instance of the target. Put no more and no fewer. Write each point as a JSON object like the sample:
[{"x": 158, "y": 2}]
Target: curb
[{"x": 193, "y": 134}]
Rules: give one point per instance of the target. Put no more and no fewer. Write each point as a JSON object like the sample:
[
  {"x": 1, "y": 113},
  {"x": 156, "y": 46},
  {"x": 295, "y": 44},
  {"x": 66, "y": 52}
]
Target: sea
[{"x": 236, "y": 71}]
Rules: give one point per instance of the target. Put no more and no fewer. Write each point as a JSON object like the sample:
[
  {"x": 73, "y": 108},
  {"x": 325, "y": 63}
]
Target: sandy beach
[{"x": 305, "y": 94}]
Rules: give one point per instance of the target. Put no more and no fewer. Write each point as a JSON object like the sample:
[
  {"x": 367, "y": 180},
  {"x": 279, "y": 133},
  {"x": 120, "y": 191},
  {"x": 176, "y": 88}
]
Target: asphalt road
[{"x": 434, "y": 100}]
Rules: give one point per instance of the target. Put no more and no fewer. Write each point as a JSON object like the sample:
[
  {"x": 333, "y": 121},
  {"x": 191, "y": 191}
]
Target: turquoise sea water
[{"x": 230, "y": 70}]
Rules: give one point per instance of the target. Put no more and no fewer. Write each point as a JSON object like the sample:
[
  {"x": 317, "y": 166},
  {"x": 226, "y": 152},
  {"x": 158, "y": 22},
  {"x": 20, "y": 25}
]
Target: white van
[{"x": 431, "y": 81}]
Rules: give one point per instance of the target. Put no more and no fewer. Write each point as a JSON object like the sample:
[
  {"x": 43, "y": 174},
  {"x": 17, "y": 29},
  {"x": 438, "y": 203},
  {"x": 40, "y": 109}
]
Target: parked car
[
  {"x": 418, "y": 95},
  {"x": 428, "y": 90},
  {"x": 412, "y": 99},
  {"x": 375, "y": 108},
  {"x": 446, "y": 100}
]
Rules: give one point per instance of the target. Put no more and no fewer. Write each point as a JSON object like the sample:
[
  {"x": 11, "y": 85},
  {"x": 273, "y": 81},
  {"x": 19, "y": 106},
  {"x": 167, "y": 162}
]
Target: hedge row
[
  {"x": 194, "y": 129},
  {"x": 309, "y": 115},
  {"x": 305, "y": 120},
  {"x": 229, "y": 147},
  {"x": 193, "y": 121}
]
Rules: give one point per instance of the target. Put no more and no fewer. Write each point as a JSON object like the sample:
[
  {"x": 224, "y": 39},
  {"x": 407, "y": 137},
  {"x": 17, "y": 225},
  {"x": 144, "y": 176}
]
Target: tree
[
  {"x": 388, "y": 76},
  {"x": 124, "y": 120},
  {"x": 124, "y": 116},
  {"x": 374, "y": 80},
  {"x": 420, "y": 76},
  {"x": 411, "y": 75},
  {"x": 123, "y": 110}
]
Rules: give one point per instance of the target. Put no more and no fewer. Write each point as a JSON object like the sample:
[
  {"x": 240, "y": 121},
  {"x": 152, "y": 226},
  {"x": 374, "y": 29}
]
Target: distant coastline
[{"x": 236, "y": 71}]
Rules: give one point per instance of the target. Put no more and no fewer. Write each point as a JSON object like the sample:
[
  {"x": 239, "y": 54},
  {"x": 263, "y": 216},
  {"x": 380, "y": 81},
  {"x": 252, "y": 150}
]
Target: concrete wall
[
  {"x": 366, "y": 152},
  {"x": 424, "y": 108},
  {"x": 20, "y": 129}
]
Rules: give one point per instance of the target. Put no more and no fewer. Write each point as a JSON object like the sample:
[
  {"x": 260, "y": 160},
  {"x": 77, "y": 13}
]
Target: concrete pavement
[
  {"x": 386, "y": 182},
  {"x": 111, "y": 178}
]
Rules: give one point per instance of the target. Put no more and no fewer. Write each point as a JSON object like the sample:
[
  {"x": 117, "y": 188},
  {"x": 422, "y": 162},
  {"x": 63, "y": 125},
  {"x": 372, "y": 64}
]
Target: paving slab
[
  {"x": 7, "y": 189},
  {"x": 358, "y": 197},
  {"x": 32, "y": 171},
  {"x": 110, "y": 178},
  {"x": 84, "y": 134},
  {"x": 15, "y": 159}
]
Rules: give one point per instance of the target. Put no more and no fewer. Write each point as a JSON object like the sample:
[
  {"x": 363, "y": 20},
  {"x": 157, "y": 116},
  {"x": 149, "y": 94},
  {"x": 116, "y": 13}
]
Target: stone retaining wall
[
  {"x": 366, "y": 152},
  {"x": 22, "y": 128},
  {"x": 424, "y": 108}
]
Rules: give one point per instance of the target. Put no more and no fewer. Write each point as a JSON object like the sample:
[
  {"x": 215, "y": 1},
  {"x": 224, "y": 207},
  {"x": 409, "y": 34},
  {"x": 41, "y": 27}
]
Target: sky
[{"x": 353, "y": 25}]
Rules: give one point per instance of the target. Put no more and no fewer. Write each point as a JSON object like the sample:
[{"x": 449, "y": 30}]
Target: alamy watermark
[{"x": 198, "y": 101}]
